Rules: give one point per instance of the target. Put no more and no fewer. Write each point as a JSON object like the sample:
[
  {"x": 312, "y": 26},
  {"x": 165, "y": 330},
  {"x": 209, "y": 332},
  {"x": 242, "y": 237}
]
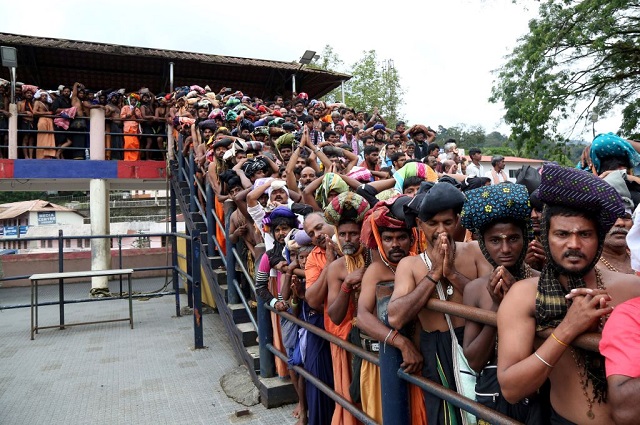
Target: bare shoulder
[
  {"x": 409, "y": 263},
  {"x": 621, "y": 286},
  {"x": 467, "y": 251},
  {"x": 521, "y": 297}
]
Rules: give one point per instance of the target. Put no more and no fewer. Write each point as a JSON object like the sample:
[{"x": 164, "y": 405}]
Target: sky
[{"x": 445, "y": 51}]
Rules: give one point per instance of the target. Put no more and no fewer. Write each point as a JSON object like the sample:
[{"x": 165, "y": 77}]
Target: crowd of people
[{"x": 331, "y": 205}]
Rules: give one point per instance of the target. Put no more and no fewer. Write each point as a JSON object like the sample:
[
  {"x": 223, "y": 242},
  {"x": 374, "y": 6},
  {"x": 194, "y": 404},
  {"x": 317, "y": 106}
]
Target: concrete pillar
[
  {"x": 13, "y": 131},
  {"x": 170, "y": 142},
  {"x": 97, "y": 135},
  {"x": 100, "y": 248}
]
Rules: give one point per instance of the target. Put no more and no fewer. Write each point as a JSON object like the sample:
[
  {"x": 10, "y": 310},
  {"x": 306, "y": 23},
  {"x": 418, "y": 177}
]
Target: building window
[
  {"x": 67, "y": 243},
  {"x": 49, "y": 243},
  {"x": 87, "y": 243},
  {"x": 43, "y": 244},
  {"x": 79, "y": 242},
  {"x": 512, "y": 173}
]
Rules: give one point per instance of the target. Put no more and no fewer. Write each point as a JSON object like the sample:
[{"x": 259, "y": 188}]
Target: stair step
[
  {"x": 238, "y": 313},
  {"x": 249, "y": 334},
  {"x": 275, "y": 392},
  {"x": 224, "y": 288},
  {"x": 254, "y": 353},
  {"x": 215, "y": 261},
  {"x": 221, "y": 275}
]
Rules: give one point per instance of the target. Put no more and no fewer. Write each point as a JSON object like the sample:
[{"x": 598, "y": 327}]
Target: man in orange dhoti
[
  {"x": 130, "y": 112},
  {"x": 346, "y": 212}
]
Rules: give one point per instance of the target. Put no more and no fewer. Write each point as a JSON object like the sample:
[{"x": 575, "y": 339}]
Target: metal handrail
[{"x": 244, "y": 271}]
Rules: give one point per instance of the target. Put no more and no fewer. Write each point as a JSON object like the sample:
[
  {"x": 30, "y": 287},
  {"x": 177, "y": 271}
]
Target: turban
[
  {"x": 285, "y": 140},
  {"x": 231, "y": 116},
  {"x": 254, "y": 146},
  {"x": 245, "y": 124},
  {"x": 413, "y": 169},
  {"x": 41, "y": 93},
  {"x": 210, "y": 124},
  {"x": 441, "y": 197},
  {"x": 276, "y": 122},
  {"x": 28, "y": 87},
  {"x": 618, "y": 180},
  {"x": 233, "y": 101},
  {"x": 489, "y": 204},
  {"x": 330, "y": 182},
  {"x": 261, "y": 130},
  {"x": 346, "y": 206},
  {"x": 388, "y": 214},
  {"x": 608, "y": 145},
  {"x": 111, "y": 95},
  {"x": 225, "y": 142},
  {"x": 583, "y": 191},
  {"x": 253, "y": 165},
  {"x": 216, "y": 113},
  {"x": 278, "y": 214},
  {"x": 361, "y": 174}
]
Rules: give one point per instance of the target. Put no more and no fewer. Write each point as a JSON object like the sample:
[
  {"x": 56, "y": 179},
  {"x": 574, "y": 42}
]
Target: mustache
[
  {"x": 397, "y": 251},
  {"x": 618, "y": 230},
  {"x": 573, "y": 253}
]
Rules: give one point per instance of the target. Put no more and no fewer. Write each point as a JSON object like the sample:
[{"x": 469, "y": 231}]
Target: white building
[{"x": 512, "y": 164}]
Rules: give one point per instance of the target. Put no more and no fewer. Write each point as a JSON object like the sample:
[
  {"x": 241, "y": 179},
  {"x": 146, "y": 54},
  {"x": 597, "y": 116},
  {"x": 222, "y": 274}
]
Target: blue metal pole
[
  {"x": 265, "y": 331},
  {"x": 189, "y": 255},
  {"x": 232, "y": 292},
  {"x": 180, "y": 159},
  {"x": 192, "y": 184},
  {"x": 196, "y": 289},
  {"x": 174, "y": 250},
  {"x": 395, "y": 394},
  {"x": 60, "y": 270},
  {"x": 211, "y": 222}
]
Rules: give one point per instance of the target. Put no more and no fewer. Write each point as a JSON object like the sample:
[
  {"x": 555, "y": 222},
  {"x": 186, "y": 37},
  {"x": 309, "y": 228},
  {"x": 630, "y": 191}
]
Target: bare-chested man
[
  {"x": 453, "y": 265},
  {"x": 571, "y": 296}
]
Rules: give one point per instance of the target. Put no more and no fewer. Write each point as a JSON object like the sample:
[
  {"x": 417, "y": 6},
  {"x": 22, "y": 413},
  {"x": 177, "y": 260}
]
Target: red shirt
[{"x": 620, "y": 343}]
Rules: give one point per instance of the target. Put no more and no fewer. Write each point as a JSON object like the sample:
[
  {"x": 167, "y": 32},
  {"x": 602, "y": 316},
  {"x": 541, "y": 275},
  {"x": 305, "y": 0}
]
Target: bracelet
[
  {"x": 344, "y": 289},
  {"x": 293, "y": 304},
  {"x": 431, "y": 279},
  {"x": 535, "y": 353},
  {"x": 386, "y": 338},
  {"x": 559, "y": 342},
  {"x": 393, "y": 337}
]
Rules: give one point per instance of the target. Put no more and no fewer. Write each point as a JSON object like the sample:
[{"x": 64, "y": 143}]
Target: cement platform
[{"x": 109, "y": 374}]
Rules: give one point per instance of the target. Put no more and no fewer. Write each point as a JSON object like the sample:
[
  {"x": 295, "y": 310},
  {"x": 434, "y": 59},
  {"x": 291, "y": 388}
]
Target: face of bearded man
[
  {"x": 573, "y": 244},
  {"x": 617, "y": 236},
  {"x": 349, "y": 237}
]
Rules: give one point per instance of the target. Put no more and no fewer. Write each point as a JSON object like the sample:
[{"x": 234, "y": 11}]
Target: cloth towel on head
[
  {"x": 413, "y": 169},
  {"x": 441, "y": 197},
  {"x": 361, "y": 174},
  {"x": 29, "y": 87},
  {"x": 607, "y": 145},
  {"x": 581, "y": 190},
  {"x": 330, "y": 181},
  {"x": 497, "y": 202},
  {"x": 346, "y": 206},
  {"x": 618, "y": 179}
]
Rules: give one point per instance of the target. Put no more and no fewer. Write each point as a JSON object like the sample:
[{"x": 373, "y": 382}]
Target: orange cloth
[
  {"x": 416, "y": 406},
  {"x": 315, "y": 263},
  {"x": 131, "y": 143},
  {"x": 45, "y": 140},
  {"x": 371, "y": 390},
  {"x": 341, "y": 360},
  {"x": 220, "y": 236}
]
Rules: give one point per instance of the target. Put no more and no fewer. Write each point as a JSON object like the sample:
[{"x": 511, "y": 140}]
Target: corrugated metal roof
[
  {"x": 15, "y": 209},
  {"x": 49, "y": 62}
]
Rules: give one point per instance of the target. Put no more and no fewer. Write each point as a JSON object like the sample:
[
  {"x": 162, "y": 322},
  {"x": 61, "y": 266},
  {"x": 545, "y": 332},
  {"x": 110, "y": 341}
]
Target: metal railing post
[
  {"x": 120, "y": 260},
  {"x": 211, "y": 222},
  {"x": 60, "y": 270},
  {"x": 174, "y": 249},
  {"x": 395, "y": 394},
  {"x": 232, "y": 292},
  {"x": 265, "y": 330},
  {"x": 180, "y": 159},
  {"x": 196, "y": 289},
  {"x": 188, "y": 254},
  {"x": 192, "y": 184}
]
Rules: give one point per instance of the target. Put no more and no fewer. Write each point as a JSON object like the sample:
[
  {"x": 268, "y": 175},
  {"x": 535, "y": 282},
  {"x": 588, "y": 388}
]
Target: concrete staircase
[{"x": 242, "y": 334}]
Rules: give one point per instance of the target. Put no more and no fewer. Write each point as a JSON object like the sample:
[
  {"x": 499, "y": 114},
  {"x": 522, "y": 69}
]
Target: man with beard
[
  {"x": 345, "y": 212},
  {"x": 496, "y": 173},
  {"x": 571, "y": 296},
  {"x": 130, "y": 113},
  {"x": 499, "y": 217},
  {"x": 284, "y": 147},
  {"x": 318, "y": 355},
  {"x": 615, "y": 254},
  {"x": 441, "y": 271},
  {"x": 384, "y": 230},
  {"x": 25, "y": 109}
]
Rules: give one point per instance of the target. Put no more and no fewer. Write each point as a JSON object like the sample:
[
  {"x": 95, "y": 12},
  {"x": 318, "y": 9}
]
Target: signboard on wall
[{"x": 46, "y": 217}]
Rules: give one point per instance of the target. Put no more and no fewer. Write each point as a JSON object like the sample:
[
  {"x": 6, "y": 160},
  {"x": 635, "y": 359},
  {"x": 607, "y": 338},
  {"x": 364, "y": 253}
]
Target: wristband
[
  {"x": 273, "y": 302},
  {"x": 431, "y": 279},
  {"x": 549, "y": 365},
  {"x": 345, "y": 289},
  {"x": 293, "y": 303}
]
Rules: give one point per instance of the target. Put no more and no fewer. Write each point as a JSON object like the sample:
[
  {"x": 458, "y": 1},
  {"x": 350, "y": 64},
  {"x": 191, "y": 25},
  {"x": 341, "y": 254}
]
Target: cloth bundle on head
[
  {"x": 111, "y": 95},
  {"x": 471, "y": 183},
  {"x": 216, "y": 113},
  {"x": 276, "y": 185},
  {"x": 413, "y": 169},
  {"x": 347, "y": 206},
  {"x": 276, "y": 122},
  {"x": 208, "y": 124},
  {"x": 618, "y": 180},
  {"x": 286, "y": 140},
  {"x": 330, "y": 181},
  {"x": 488, "y": 204},
  {"x": 499, "y": 203},
  {"x": 361, "y": 174},
  {"x": 253, "y": 165},
  {"x": 232, "y": 102},
  {"x": 231, "y": 116},
  {"x": 261, "y": 130},
  {"x": 302, "y": 238},
  {"x": 245, "y": 124},
  {"x": 278, "y": 215},
  {"x": 43, "y": 93},
  {"x": 29, "y": 87},
  {"x": 388, "y": 214},
  {"x": 254, "y": 146},
  {"x": 441, "y": 197},
  {"x": 583, "y": 191},
  {"x": 224, "y": 142},
  {"x": 611, "y": 145}
]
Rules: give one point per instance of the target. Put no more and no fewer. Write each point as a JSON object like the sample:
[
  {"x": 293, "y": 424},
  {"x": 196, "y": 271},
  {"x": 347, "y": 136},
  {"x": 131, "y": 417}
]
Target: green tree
[
  {"x": 579, "y": 57},
  {"x": 373, "y": 84}
]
